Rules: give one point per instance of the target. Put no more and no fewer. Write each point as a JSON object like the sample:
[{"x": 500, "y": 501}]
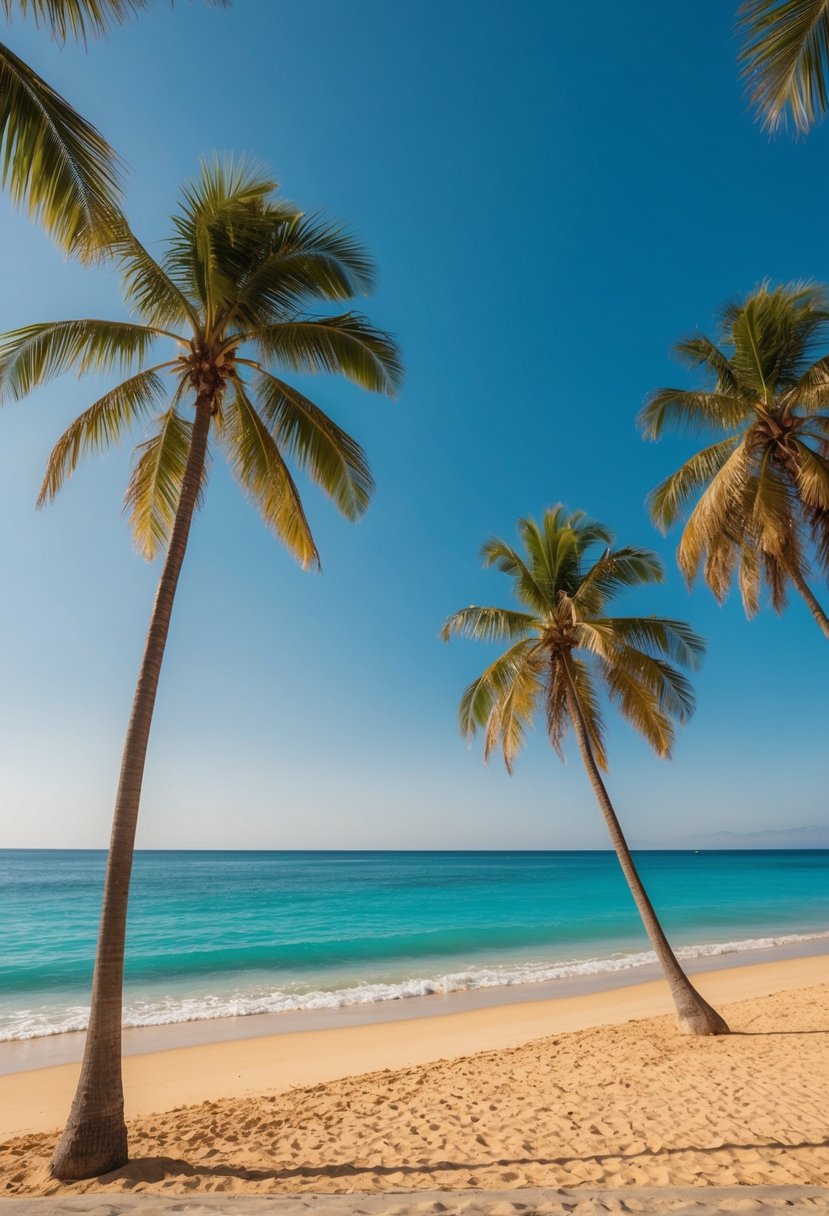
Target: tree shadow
[
  {"x": 158, "y": 1169},
  {"x": 763, "y": 1034}
]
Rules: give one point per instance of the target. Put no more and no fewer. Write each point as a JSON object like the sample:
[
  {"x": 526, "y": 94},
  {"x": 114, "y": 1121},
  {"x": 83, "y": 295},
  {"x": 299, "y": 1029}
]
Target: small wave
[{"x": 34, "y": 1023}]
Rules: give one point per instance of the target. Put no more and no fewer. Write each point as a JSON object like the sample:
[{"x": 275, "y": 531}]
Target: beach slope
[{"x": 611, "y": 1105}]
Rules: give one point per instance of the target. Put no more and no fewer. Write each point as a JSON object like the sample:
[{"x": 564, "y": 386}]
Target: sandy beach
[{"x": 593, "y": 1090}]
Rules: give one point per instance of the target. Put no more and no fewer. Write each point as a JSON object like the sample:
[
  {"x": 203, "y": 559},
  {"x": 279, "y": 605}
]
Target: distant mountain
[{"x": 814, "y": 837}]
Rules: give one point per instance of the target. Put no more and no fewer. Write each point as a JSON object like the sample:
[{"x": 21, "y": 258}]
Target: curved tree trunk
[
  {"x": 811, "y": 601},
  {"x": 694, "y": 1014},
  {"x": 95, "y": 1138}
]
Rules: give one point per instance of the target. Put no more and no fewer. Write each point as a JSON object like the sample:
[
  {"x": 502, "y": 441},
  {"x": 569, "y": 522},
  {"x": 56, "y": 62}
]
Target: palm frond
[
  {"x": 669, "y": 499},
  {"x": 640, "y": 707},
  {"x": 296, "y": 260},
  {"x": 489, "y": 624},
  {"x": 812, "y": 477},
  {"x": 684, "y": 409},
  {"x": 775, "y": 333},
  {"x": 154, "y": 488},
  {"x": 34, "y": 354},
  {"x": 589, "y": 707},
  {"x": 258, "y": 466},
  {"x": 512, "y": 716},
  {"x": 483, "y": 695},
  {"x": 101, "y": 426},
  {"x": 698, "y": 351},
  {"x": 811, "y": 393},
  {"x": 771, "y": 511},
  {"x": 776, "y": 580},
  {"x": 496, "y": 552},
  {"x": 148, "y": 288},
  {"x": 55, "y": 163},
  {"x": 78, "y": 19},
  {"x": 658, "y": 636},
  {"x": 750, "y": 580},
  {"x": 223, "y": 216},
  {"x": 614, "y": 571},
  {"x": 785, "y": 59},
  {"x": 334, "y": 460},
  {"x": 347, "y": 345},
  {"x": 716, "y": 513}
]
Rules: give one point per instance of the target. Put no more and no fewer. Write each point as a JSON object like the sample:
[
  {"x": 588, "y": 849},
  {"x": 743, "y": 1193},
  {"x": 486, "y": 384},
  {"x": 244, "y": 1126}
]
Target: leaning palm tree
[
  {"x": 785, "y": 60},
  {"x": 230, "y": 293},
  {"x": 766, "y": 485},
  {"x": 563, "y": 647}
]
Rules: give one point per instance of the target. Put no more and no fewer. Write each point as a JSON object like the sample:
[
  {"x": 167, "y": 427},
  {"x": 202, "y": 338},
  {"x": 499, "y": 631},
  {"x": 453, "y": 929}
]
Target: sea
[{"x": 228, "y": 934}]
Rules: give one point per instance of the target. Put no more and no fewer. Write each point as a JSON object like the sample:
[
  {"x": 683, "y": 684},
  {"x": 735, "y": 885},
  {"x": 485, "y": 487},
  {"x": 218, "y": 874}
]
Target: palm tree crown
[
  {"x": 785, "y": 60},
  {"x": 766, "y": 484},
  {"x": 229, "y": 294},
  {"x": 565, "y": 644}
]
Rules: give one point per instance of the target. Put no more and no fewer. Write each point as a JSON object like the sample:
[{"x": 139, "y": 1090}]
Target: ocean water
[{"x": 215, "y": 934}]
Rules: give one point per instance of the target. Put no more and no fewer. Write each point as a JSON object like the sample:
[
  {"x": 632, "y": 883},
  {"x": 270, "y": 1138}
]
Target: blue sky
[{"x": 552, "y": 203}]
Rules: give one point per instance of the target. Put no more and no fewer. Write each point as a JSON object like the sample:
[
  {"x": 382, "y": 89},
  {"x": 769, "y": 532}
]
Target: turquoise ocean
[{"x": 218, "y": 934}]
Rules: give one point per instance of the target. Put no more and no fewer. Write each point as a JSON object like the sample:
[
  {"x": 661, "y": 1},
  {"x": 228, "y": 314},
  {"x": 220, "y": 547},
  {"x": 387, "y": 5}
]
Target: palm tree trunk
[
  {"x": 94, "y": 1140},
  {"x": 694, "y": 1014},
  {"x": 813, "y": 605}
]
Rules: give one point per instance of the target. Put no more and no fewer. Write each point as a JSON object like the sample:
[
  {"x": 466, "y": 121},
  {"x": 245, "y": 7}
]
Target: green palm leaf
[
  {"x": 683, "y": 409},
  {"x": 151, "y": 291},
  {"x": 658, "y": 636},
  {"x": 667, "y": 501},
  {"x": 489, "y": 624},
  {"x": 588, "y": 700},
  {"x": 258, "y": 466},
  {"x": 496, "y": 552},
  {"x": 637, "y": 704},
  {"x": 307, "y": 435},
  {"x": 614, "y": 571},
  {"x": 345, "y": 344},
  {"x": 101, "y": 426},
  {"x": 154, "y": 488},
  {"x": 512, "y": 715},
  {"x": 301, "y": 260},
  {"x": 78, "y": 19},
  {"x": 784, "y": 59},
  {"x": 31, "y": 356},
  {"x": 697, "y": 351},
  {"x": 55, "y": 163},
  {"x": 483, "y": 695}
]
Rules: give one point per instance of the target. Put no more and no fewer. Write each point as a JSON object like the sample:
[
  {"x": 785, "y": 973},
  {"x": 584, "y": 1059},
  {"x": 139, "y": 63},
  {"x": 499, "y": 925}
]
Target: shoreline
[
  {"x": 46, "y": 1051},
  {"x": 163, "y": 1078}
]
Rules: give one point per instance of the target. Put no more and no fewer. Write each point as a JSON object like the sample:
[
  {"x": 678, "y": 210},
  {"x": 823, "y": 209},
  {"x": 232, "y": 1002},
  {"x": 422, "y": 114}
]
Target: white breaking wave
[{"x": 38, "y": 1023}]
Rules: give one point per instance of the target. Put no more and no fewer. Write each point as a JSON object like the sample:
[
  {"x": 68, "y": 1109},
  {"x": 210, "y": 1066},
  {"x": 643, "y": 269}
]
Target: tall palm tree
[
  {"x": 563, "y": 647},
  {"x": 766, "y": 485},
  {"x": 785, "y": 60},
  {"x": 230, "y": 294},
  {"x": 54, "y": 162}
]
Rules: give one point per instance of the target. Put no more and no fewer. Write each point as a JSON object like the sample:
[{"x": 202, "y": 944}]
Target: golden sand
[{"x": 614, "y": 1105}]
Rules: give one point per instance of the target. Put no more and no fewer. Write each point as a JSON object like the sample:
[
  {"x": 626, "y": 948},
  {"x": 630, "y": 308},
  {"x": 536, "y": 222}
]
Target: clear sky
[{"x": 552, "y": 202}]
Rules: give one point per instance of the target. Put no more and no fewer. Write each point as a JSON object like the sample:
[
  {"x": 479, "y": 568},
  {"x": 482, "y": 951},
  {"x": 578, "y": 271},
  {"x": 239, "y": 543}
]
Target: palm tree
[
  {"x": 230, "y": 293},
  {"x": 785, "y": 60},
  {"x": 767, "y": 483},
  {"x": 562, "y": 645}
]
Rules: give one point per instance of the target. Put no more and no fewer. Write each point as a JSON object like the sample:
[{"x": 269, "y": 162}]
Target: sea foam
[{"x": 39, "y": 1022}]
